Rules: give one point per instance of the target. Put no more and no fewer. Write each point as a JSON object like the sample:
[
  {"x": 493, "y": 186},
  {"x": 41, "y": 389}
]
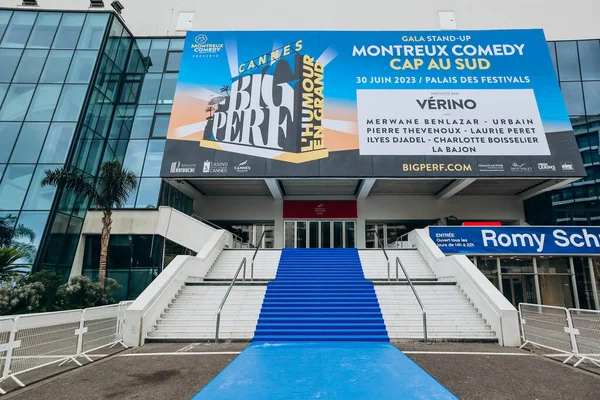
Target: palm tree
[
  {"x": 8, "y": 256},
  {"x": 10, "y": 233},
  {"x": 114, "y": 186},
  {"x": 225, "y": 89}
]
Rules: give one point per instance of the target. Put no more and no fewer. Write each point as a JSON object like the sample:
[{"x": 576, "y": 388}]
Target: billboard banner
[
  {"x": 361, "y": 104},
  {"x": 508, "y": 240}
]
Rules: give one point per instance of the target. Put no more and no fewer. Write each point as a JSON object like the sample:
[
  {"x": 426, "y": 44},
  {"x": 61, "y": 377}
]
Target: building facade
[{"x": 80, "y": 85}]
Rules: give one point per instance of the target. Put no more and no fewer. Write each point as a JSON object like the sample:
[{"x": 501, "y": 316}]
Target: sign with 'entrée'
[
  {"x": 565, "y": 240},
  {"x": 381, "y": 104}
]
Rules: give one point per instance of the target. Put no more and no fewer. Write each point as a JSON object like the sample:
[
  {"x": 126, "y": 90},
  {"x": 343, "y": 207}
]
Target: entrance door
[
  {"x": 514, "y": 289},
  {"x": 319, "y": 234}
]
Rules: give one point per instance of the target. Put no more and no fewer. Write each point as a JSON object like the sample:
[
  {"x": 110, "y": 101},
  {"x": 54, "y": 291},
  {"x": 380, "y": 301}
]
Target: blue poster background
[{"x": 517, "y": 240}]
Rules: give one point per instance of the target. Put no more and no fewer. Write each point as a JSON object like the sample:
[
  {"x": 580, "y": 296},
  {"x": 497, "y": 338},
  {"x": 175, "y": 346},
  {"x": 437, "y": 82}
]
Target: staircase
[{"x": 320, "y": 295}]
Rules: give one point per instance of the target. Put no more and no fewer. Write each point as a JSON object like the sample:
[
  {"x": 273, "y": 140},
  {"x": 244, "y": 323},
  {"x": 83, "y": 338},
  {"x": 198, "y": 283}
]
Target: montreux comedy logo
[{"x": 273, "y": 109}]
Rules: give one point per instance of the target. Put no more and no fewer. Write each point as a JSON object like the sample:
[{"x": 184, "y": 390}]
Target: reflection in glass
[
  {"x": 158, "y": 55},
  {"x": 313, "y": 234},
  {"x": 301, "y": 234},
  {"x": 4, "y": 18},
  {"x": 173, "y": 61},
  {"x": 68, "y": 31},
  {"x": 57, "y": 143},
  {"x": 154, "y": 158},
  {"x": 589, "y": 56},
  {"x": 161, "y": 125},
  {"x": 3, "y": 90},
  {"x": 56, "y": 66},
  {"x": 9, "y": 59},
  {"x": 43, "y": 31},
  {"x": 148, "y": 193},
  {"x": 552, "y": 50},
  {"x": 337, "y": 234},
  {"x": 489, "y": 267},
  {"x": 289, "y": 231},
  {"x": 592, "y": 98},
  {"x": 2, "y": 168},
  {"x": 38, "y": 197},
  {"x": 8, "y": 133},
  {"x": 516, "y": 265},
  {"x": 30, "y": 66},
  {"x": 18, "y": 30},
  {"x": 150, "y": 89},
  {"x": 30, "y": 141},
  {"x": 349, "y": 228},
  {"x": 176, "y": 44},
  {"x": 93, "y": 31},
  {"x": 82, "y": 66},
  {"x": 568, "y": 61},
  {"x": 325, "y": 234},
  {"x": 36, "y": 222},
  {"x": 573, "y": 96},
  {"x": 142, "y": 122},
  {"x": 16, "y": 102},
  {"x": 556, "y": 290},
  {"x": 14, "y": 186},
  {"x": 43, "y": 103},
  {"x": 134, "y": 158},
  {"x": 167, "y": 89},
  {"x": 71, "y": 101}
]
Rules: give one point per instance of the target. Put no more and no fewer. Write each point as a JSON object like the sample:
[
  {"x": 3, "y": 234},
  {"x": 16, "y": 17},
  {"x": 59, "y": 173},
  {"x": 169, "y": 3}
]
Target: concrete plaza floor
[{"x": 180, "y": 370}]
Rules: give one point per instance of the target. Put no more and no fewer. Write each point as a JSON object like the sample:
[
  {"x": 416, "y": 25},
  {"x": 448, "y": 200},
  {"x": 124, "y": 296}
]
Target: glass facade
[{"x": 577, "y": 65}]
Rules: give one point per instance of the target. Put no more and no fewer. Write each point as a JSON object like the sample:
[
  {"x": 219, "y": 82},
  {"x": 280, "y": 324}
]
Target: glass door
[
  {"x": 313, "y": 234},
  {"x": 319, "y": 234}
]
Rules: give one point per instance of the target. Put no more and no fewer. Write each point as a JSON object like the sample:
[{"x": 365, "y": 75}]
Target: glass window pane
[
  {"x": 71, "y": 101},
  {"x": 154, "y": 157},
  {"x": 167, "y": 89},
  {"x": 552, "y": 50},
  {"x": 176, "y": 44},
  {"x": 38, "y": 197},
  {"x": 4, "y": 18},
  {"x": 8, "y": 136},
  {"x": 142, "y": 122},
  {"x": 43, "y": 103},
  {"x": 150, "y": 89},
  {"x": 9, "y": 59},
  {"x": 589, "y": 56},
  {"x": 18, "y": 30},
  {"x": 134, "y": 159},
  {"x": 571, "y": 92},
  {"x": 2, "y": 168},
  {"x": 568, "y": 61},
  {"x": 592, "y": 97},
  {"x": 56, "y": 66},
  {"x": 43, "y": 31},
  {"x": 161, "y": 125},
  {"x": 148, "y": 193},
  {"x": 36, "y": 222},
  {"x": 173, "y": 61},
  {"x": 57, "y": 143},
  {"x": 16, "y": 102},
  {"x": 93, "y": 31},
  {"x": 14, "y": 186},
  {"x": 68, "y": 31},
  {"x": 3, "y": 90},
  {"x": 30, "y": 66},
  {"x": 30, "y": 142},
  {"x": 158, "y": 54},
  {"x": 82, "y": 66}
]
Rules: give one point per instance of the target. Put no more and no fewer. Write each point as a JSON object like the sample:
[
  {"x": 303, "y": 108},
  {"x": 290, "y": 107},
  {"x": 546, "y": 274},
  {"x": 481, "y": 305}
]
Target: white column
[
  {"x": 278, "y": 231},
  {"x": 536, "y": 280},
  {"x": 361, "y": 239},
  {"x": 593, "y": 279},
  {"x": 574, "y": 282}
]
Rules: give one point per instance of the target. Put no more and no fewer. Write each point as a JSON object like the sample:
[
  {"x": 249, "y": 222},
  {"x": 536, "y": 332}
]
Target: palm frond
[
  {"x": 115, "y": 185},
  {"x": 8, "y": 256},
  {"x": 70, "y": 180}
]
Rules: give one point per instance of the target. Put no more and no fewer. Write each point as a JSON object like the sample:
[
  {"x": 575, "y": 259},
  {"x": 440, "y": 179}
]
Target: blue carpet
[{"x": 336, "y": 370}]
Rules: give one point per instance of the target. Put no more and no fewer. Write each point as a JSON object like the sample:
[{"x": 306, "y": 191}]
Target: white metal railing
[
  {"x": 32, "y": 341},
  {"x": 573, "y": 332}
]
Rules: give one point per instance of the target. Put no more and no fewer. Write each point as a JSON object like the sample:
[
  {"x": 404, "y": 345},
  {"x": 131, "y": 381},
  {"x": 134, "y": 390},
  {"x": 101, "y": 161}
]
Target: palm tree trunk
[{"x": 106, "y": 224}]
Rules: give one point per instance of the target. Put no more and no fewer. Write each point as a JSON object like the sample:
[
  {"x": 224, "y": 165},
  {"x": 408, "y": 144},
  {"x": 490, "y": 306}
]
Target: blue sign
[
  {"x": 384, "y": 104},
  {"x": 517, "y": 240}
]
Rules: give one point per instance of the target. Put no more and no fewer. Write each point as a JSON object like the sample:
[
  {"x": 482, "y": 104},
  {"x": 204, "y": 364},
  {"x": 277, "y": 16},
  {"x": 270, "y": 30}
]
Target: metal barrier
[
  {"x": 33, "y": 341},
  {"x": 574, "y": 332}
]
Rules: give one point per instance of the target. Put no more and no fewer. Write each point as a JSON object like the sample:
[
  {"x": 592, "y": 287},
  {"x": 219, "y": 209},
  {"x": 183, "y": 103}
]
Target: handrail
[
  {"x": 401, "y": 241},
  {"x": 215, "y": 226},
  {"x": 385, "y": 254},
  {"x": 242, "y": 264},
  {"x": 254, "y": 256},
  {"x": 398, "y": 262}
]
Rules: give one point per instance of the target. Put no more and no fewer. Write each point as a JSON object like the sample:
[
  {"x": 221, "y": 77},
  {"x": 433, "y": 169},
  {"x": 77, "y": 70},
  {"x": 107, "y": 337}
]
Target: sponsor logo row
[{"x": 566, "y": 166}]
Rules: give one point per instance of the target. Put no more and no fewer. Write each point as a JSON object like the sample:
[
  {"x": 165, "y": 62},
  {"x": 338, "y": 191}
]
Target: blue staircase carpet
[
  {"x": 326, "y": 371},
  {"x": 320, "y": 295}
]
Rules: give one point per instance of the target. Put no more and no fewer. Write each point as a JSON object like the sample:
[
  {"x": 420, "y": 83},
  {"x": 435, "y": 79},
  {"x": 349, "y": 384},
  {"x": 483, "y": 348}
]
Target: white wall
[{"x": 574, "y": 19}]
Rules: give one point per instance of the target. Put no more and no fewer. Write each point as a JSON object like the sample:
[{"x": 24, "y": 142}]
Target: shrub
[
  {"x": 81, "y": 292},
  {"x": 21, "y": 298}
]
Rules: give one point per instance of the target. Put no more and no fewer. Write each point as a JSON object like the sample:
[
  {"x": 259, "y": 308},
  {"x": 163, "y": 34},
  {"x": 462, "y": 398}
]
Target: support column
[
  {"x": 593, "y": 279},
  {"x": 536, "y": 279},
  {"x": 499, "y": 272},
  {"x": 574, "y": 282}
]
